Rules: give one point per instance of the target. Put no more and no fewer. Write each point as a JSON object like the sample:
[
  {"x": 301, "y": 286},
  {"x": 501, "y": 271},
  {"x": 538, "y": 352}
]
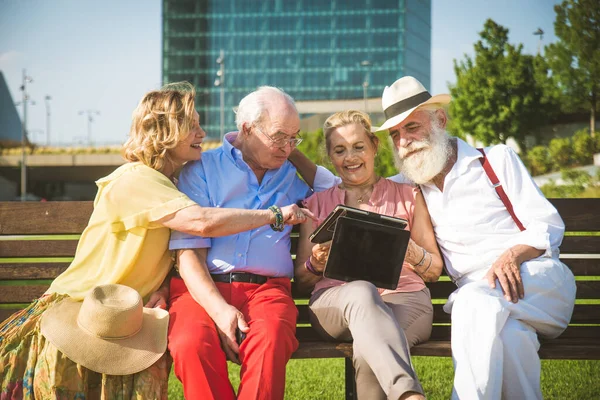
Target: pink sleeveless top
[{"x": 389, "y": 198}]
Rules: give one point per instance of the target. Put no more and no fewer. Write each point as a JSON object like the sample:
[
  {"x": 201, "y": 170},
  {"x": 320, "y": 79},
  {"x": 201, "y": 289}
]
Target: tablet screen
[{"x": 367, "y": 251}]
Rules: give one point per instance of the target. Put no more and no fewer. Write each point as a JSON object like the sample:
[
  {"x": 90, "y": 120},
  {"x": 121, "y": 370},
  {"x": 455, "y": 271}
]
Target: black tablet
[
  {"x": 324, "y": 232},
  {"x": 363, "y": 250}
]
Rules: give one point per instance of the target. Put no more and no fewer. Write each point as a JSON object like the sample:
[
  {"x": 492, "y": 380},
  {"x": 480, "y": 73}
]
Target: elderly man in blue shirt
[{"x": 239, "y": 282}]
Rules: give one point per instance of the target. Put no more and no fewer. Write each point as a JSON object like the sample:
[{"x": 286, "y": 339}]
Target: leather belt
[
  {"x": 240, "y": 277},
  {"x": 245, "y": 277}
]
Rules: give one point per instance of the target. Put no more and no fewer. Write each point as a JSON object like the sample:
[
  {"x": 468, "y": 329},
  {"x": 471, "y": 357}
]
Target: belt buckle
[{"x": 231, "y": 277}]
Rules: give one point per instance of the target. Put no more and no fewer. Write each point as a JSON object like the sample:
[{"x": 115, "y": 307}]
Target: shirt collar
[
  {"x": 230, "y": 151},
  {"x": 466, "y": 154}
]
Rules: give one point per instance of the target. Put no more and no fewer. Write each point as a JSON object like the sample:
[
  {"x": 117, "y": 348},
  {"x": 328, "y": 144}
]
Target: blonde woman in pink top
[{"x": 383, "y": 324}]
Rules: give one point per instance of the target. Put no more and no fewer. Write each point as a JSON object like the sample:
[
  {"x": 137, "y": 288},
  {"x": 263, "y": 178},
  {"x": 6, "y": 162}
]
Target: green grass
[{"x": 324, "y": 379}]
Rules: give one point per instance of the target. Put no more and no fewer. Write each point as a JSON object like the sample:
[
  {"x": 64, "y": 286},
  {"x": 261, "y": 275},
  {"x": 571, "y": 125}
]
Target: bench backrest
[{"x": 38, "y": 240}]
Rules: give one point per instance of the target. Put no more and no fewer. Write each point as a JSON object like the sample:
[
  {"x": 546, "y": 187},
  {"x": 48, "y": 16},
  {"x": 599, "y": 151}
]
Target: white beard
[{"x": 425, "y": 164}]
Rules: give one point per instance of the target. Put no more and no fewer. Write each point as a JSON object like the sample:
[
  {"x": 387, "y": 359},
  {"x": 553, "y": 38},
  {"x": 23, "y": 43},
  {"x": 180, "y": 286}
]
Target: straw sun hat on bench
[{"x": 110, "y": 332}]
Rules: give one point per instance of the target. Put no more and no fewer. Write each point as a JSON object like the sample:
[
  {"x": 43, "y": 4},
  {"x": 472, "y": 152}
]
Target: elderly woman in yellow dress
[
  {"x": 383, "y": 324},
  {"x": 125, "y": 243}
]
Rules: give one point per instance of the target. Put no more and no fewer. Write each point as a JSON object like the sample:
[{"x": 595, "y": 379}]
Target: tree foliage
[
  {"x": 498, "y": 93},
  {"x": 575, "y": 58}
]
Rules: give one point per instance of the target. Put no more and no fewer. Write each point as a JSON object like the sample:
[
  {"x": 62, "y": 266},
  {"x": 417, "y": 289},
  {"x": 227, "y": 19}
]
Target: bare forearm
[
  {"x": 215, "y": 222},
  {"x": 523, "y": 252},
  {"x": 306, "y": 168},
  {"x": 428, "y": 264},
  {"x": 195, "y": 274},
  {"x": 304, "y": 279}
]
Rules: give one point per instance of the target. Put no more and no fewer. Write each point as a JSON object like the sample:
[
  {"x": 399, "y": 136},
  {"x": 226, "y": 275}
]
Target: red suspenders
[{"x": 498, "y": 186}]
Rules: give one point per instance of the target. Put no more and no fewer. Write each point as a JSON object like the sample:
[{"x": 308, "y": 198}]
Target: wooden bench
[{"x": 37, "y": 241}]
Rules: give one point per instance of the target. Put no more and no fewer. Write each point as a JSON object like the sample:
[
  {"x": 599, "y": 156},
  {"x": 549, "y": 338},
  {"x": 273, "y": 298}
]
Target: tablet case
[
  {"x": 363, "y": 250},
  {"x": 324, "y": 232}
]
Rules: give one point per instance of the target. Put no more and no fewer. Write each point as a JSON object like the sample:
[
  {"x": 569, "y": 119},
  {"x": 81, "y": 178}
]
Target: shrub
[
  {"x": 538, "y": 160},
  {"x": 584, "y": 147},
  {"x": 561, "y": 153},
  {"x": 577, "y": 184}
]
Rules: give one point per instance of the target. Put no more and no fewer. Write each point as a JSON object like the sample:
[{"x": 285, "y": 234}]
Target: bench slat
[
  {"x": 38, "y": 248},
  {"x": 580, "y": 245},
  {"x": 25, "y": 294},
  {"x": 582, "y": 314},
  {"x": 50, "y": 270},
  {"x": 585, "y": 289},
  {"x": 41, "y": 217},
  {"x": 21, "y": 294},
  {"x": 551, "y": 350},
  {"x": 31, "y": 270},
  {"x": 579, "y": 214},
  {"x": 583, "y": 266},
  {"x": 587, "y": 333},
  {"x": 323, "y": 350}
]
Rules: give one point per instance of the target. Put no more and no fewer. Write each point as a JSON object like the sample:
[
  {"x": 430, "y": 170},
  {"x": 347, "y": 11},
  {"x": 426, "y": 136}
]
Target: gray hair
[
  {"x": 252, "y": 107},
  {"x": 431, "y": 110}
]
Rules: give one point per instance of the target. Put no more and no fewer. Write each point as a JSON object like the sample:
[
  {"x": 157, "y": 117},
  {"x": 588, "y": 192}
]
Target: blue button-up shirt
[{"x": 223, "y": 179}]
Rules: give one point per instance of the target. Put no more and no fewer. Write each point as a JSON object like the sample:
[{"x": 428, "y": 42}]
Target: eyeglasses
[{"x": 282, "y": 140}]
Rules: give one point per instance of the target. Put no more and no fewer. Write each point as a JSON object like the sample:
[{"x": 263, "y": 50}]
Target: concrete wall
[{"x": 8, "y": 189}]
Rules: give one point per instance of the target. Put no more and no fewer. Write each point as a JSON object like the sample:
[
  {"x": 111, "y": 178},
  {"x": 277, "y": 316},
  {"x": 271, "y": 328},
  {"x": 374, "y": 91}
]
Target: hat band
[
  {"x": 83, "y": 327},
  {"x": 406, "y": 104}
]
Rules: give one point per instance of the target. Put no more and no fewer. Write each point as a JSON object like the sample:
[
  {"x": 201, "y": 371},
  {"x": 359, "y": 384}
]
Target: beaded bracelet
[
  {"x": 311, "y": 268},
  {"x": 278, "y": 225}
]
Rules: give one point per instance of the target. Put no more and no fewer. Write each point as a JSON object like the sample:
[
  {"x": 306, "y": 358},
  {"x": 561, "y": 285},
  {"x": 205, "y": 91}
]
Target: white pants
[{"x": 495, "y": 342}]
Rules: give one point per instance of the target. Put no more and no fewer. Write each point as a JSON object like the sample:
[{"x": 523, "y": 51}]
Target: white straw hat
[
  {"x": 110, "y": 332},
  {"x": 403, "y": 97}
]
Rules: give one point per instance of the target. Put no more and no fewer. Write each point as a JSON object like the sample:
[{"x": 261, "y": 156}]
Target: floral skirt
[{"x": 32, "y": 368}]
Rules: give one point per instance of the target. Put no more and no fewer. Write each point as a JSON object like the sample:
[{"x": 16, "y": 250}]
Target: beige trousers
[{"x": 382, "y": 328}]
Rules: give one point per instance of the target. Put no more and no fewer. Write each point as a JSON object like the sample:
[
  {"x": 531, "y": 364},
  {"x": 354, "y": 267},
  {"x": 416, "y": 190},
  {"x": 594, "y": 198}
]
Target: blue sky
[{"x": 103, "y": 55}]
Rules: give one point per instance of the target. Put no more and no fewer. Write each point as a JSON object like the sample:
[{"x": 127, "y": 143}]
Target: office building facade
[{"x": 312, "y": 49}]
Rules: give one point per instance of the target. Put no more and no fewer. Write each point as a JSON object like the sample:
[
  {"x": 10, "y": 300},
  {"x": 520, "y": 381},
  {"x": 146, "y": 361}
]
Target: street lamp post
[
  {"x": 220, "y": 82},
  {"x": 539, "y": 33},
  {"x": 26, "y": 79},
  {"x": 90, "y": 118},
  {"x": 47, "y": 102},
  {"x": 365, "y": 84}
]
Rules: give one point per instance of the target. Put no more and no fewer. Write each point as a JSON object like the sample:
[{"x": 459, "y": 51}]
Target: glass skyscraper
[{"x": 312, "y": 49}]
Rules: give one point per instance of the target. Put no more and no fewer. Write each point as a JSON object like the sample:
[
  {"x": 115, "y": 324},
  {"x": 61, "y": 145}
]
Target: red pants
[{"x": 200, "y": 363}]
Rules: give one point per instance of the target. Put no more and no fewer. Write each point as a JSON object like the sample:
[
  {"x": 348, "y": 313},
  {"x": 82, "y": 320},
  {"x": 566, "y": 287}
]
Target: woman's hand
[
  {"x": 293, "y": 214},
  {"x": 318, "y": 258},
  {"x": 158, "y": 299}
]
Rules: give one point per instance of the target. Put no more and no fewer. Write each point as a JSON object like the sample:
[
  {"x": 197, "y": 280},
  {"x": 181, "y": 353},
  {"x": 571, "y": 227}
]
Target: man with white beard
[{"x": 499, "y": 237}]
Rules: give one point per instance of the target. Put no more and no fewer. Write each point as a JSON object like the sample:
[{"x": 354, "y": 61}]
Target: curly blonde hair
[
  {"x": 161, "y": 120},
  {"x": 348, "y": 117}
]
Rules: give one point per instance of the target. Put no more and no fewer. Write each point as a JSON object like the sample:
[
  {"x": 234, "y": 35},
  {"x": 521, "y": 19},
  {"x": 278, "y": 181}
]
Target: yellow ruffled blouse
[{"x": 123, "y": 243}]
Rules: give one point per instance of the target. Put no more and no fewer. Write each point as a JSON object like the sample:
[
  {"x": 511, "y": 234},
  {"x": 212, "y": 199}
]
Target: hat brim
[
  {"x": 395, "y": 120},
  {"x": 113, "y": 357}
]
